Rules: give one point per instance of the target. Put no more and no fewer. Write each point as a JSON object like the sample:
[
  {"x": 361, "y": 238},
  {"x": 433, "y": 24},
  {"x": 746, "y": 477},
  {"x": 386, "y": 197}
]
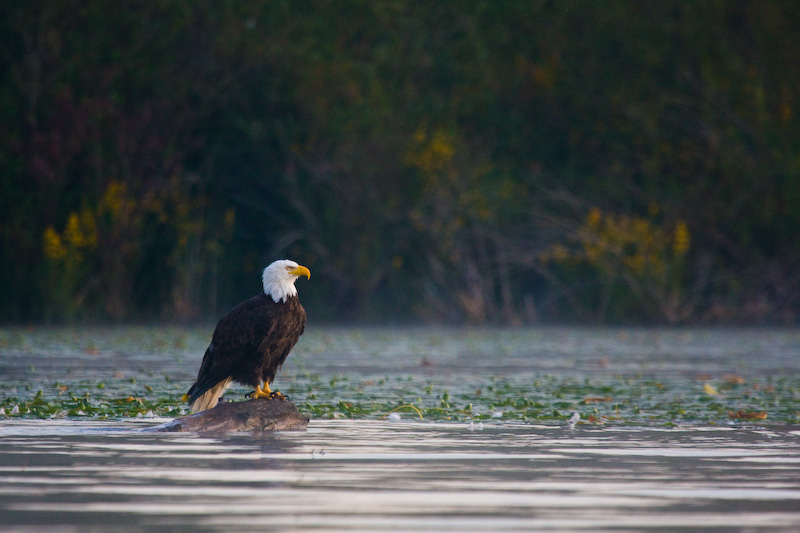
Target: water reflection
[{"x": 403, "y": 476}]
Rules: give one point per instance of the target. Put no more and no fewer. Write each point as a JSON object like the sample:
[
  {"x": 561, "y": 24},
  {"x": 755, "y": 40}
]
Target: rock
[{"x": 250, "y": 415}]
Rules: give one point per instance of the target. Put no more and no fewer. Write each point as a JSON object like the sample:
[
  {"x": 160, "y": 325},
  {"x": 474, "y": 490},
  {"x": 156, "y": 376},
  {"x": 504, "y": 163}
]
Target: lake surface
[
  {"x": 399, "y": 476},
  {"x": 540, "y": 429}
]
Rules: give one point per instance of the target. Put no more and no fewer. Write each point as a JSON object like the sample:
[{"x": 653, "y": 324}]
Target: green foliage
[
  {"x": 420, "y": 158},
  {"x": 636, "y": 257}
]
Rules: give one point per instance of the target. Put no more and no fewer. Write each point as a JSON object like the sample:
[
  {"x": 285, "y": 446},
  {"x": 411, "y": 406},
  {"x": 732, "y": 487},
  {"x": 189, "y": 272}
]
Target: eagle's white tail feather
[{"x": 210, "y": 398}]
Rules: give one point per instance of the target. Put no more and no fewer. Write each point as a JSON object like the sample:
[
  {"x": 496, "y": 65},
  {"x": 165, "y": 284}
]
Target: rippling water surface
[
  {"x": 671, "y": 461},
  {"x": 400, "y": 476}
]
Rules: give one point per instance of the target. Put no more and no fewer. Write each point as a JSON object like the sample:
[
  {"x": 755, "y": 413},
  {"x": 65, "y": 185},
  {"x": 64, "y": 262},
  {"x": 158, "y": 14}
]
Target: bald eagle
[{"x": 251, "y": 342}]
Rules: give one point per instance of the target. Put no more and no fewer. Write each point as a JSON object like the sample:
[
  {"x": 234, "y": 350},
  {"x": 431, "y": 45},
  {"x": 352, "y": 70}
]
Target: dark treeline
[{"x": 479, "y": 161}]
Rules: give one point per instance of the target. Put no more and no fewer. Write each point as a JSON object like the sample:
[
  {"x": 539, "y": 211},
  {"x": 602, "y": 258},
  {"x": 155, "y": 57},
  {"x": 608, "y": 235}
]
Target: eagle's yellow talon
[
  {"x": 259, "y": 393},
  {"x": 266, "y": 392},
  {"x": 275, "y": 395}
]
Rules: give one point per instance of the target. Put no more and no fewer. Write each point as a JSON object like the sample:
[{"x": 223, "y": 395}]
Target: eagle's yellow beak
[{"x": 301, "y": 271}]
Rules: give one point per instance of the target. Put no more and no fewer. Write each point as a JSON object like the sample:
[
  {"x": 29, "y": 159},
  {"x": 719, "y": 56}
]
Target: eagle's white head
[{"x": 279, "y": 278}]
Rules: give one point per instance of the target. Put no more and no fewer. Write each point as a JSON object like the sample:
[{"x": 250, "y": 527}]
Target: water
[
  {"x": 399, "y": 476},
  {"x": 457, "y": 470}
]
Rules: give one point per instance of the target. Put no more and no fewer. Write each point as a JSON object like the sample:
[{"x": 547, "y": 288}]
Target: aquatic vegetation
[
  {"x": 548, "y": 399},
  {"x": 94, "y": 400},
  {"x": 362, "y": 374}
]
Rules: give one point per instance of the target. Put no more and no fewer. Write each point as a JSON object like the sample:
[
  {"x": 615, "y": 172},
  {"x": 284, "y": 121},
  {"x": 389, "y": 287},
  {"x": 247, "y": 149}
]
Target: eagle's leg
[{"x": 260, "y": 393}]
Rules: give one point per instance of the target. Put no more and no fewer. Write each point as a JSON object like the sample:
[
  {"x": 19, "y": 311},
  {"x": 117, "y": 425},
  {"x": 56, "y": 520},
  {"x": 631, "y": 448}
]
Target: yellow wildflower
[
  {"x": 53, "y": 246},
  {"x": 594, "y": 217},
  {"x": 113, "y": 198},
  {"x": 681, "y": 239}
]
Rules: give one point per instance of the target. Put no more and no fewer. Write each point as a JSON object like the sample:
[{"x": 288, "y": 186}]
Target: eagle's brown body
[{"x": 248, "y": 346}]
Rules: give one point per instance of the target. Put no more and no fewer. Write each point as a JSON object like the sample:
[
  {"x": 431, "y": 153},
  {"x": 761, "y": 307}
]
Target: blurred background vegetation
[{"x": 473, "y": 161}]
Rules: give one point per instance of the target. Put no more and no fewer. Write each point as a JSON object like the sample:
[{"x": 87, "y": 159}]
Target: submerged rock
[{"x": 251, "y": 415}]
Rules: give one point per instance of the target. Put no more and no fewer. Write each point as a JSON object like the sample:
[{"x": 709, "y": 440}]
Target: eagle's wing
[{"x": 235, "y": 342}]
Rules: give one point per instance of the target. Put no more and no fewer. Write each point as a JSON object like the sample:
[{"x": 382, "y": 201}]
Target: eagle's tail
[{"x": 209, "y": 399}]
